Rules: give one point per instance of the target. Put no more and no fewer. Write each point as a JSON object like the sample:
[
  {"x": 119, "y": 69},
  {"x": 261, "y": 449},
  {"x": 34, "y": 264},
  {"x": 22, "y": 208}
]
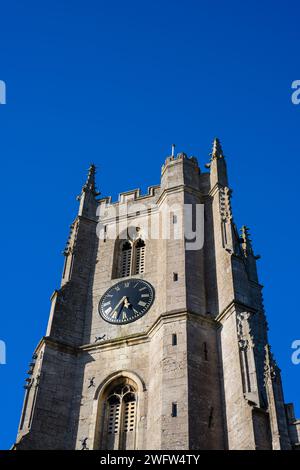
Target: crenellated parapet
[
  {"x": 130, "y": 196},
  {"x": 172, "y": 159}
]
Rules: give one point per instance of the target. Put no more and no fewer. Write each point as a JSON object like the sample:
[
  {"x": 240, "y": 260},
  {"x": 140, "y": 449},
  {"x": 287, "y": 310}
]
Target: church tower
[{"x": 157, "y": 336}]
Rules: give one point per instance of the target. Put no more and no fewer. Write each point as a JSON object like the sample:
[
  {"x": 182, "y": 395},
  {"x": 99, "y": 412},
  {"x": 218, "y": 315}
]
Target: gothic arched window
[
  {"x": 126, "y": 256},
  {"x": 129, "y": 258},
  {"x": 119, "y": 418},
  {"x": 139, "y": 260}
]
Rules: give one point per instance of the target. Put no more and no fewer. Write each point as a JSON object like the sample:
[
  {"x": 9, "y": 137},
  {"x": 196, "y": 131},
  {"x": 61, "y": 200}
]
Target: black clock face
[{"x": 126, "y": 301}]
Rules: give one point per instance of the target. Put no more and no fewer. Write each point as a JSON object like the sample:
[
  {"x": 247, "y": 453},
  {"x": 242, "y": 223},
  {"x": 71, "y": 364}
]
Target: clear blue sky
[{"x": 117, "y": 83}]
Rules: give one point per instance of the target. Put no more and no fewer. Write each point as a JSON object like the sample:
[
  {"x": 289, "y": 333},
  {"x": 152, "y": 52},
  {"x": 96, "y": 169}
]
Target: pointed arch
[
  {"x": 116, "y": 411},
  {"x": 129, "y": 257},
  {"x": 125, "y": 259},
  {"x": 139, "y": 256},
  {"x": 122, "y": 259}
]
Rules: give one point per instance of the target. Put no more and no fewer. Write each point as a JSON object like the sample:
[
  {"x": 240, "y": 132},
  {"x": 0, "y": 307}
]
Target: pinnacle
[
  {"x": 217, "y": 151},
  {"x": 90, "y": 184}
]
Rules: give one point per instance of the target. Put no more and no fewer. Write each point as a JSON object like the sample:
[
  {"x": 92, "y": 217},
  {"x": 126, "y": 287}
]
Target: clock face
[{"x": 126, "y": 301}]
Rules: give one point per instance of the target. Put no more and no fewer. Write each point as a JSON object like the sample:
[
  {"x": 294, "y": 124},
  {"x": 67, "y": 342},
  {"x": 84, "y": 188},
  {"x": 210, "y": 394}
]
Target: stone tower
[{"x": 190, "y": 369}]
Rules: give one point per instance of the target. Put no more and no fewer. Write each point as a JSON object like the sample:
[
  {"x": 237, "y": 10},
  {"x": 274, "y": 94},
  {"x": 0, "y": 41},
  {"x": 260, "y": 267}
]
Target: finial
[
  {"x": 217, "y": 151},
  {"x": 90, "y": 184},
  {"x": 173, "y": 150}
]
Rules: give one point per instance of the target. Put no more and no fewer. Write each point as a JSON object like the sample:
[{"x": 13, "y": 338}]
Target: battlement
[
  {"x": 173, "y": 159},
  {"x": 131, "y": 196},
  {"x": 134, "y": 195}
]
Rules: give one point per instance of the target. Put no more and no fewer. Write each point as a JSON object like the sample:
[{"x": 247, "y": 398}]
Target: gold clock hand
[
  {"x": 127, "y": 304},
  {"x": 118, "y": 305}
]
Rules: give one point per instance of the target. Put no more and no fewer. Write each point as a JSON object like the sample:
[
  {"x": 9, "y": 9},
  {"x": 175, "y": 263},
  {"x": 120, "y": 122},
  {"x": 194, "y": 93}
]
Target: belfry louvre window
[
  {"x": 139, "y": 256},
  {"x": 114, "y": 417},
  {"x": 126, "y": 255},
  {"x": 120, "y": 419},
  {"x": 130, "y": 258}
]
